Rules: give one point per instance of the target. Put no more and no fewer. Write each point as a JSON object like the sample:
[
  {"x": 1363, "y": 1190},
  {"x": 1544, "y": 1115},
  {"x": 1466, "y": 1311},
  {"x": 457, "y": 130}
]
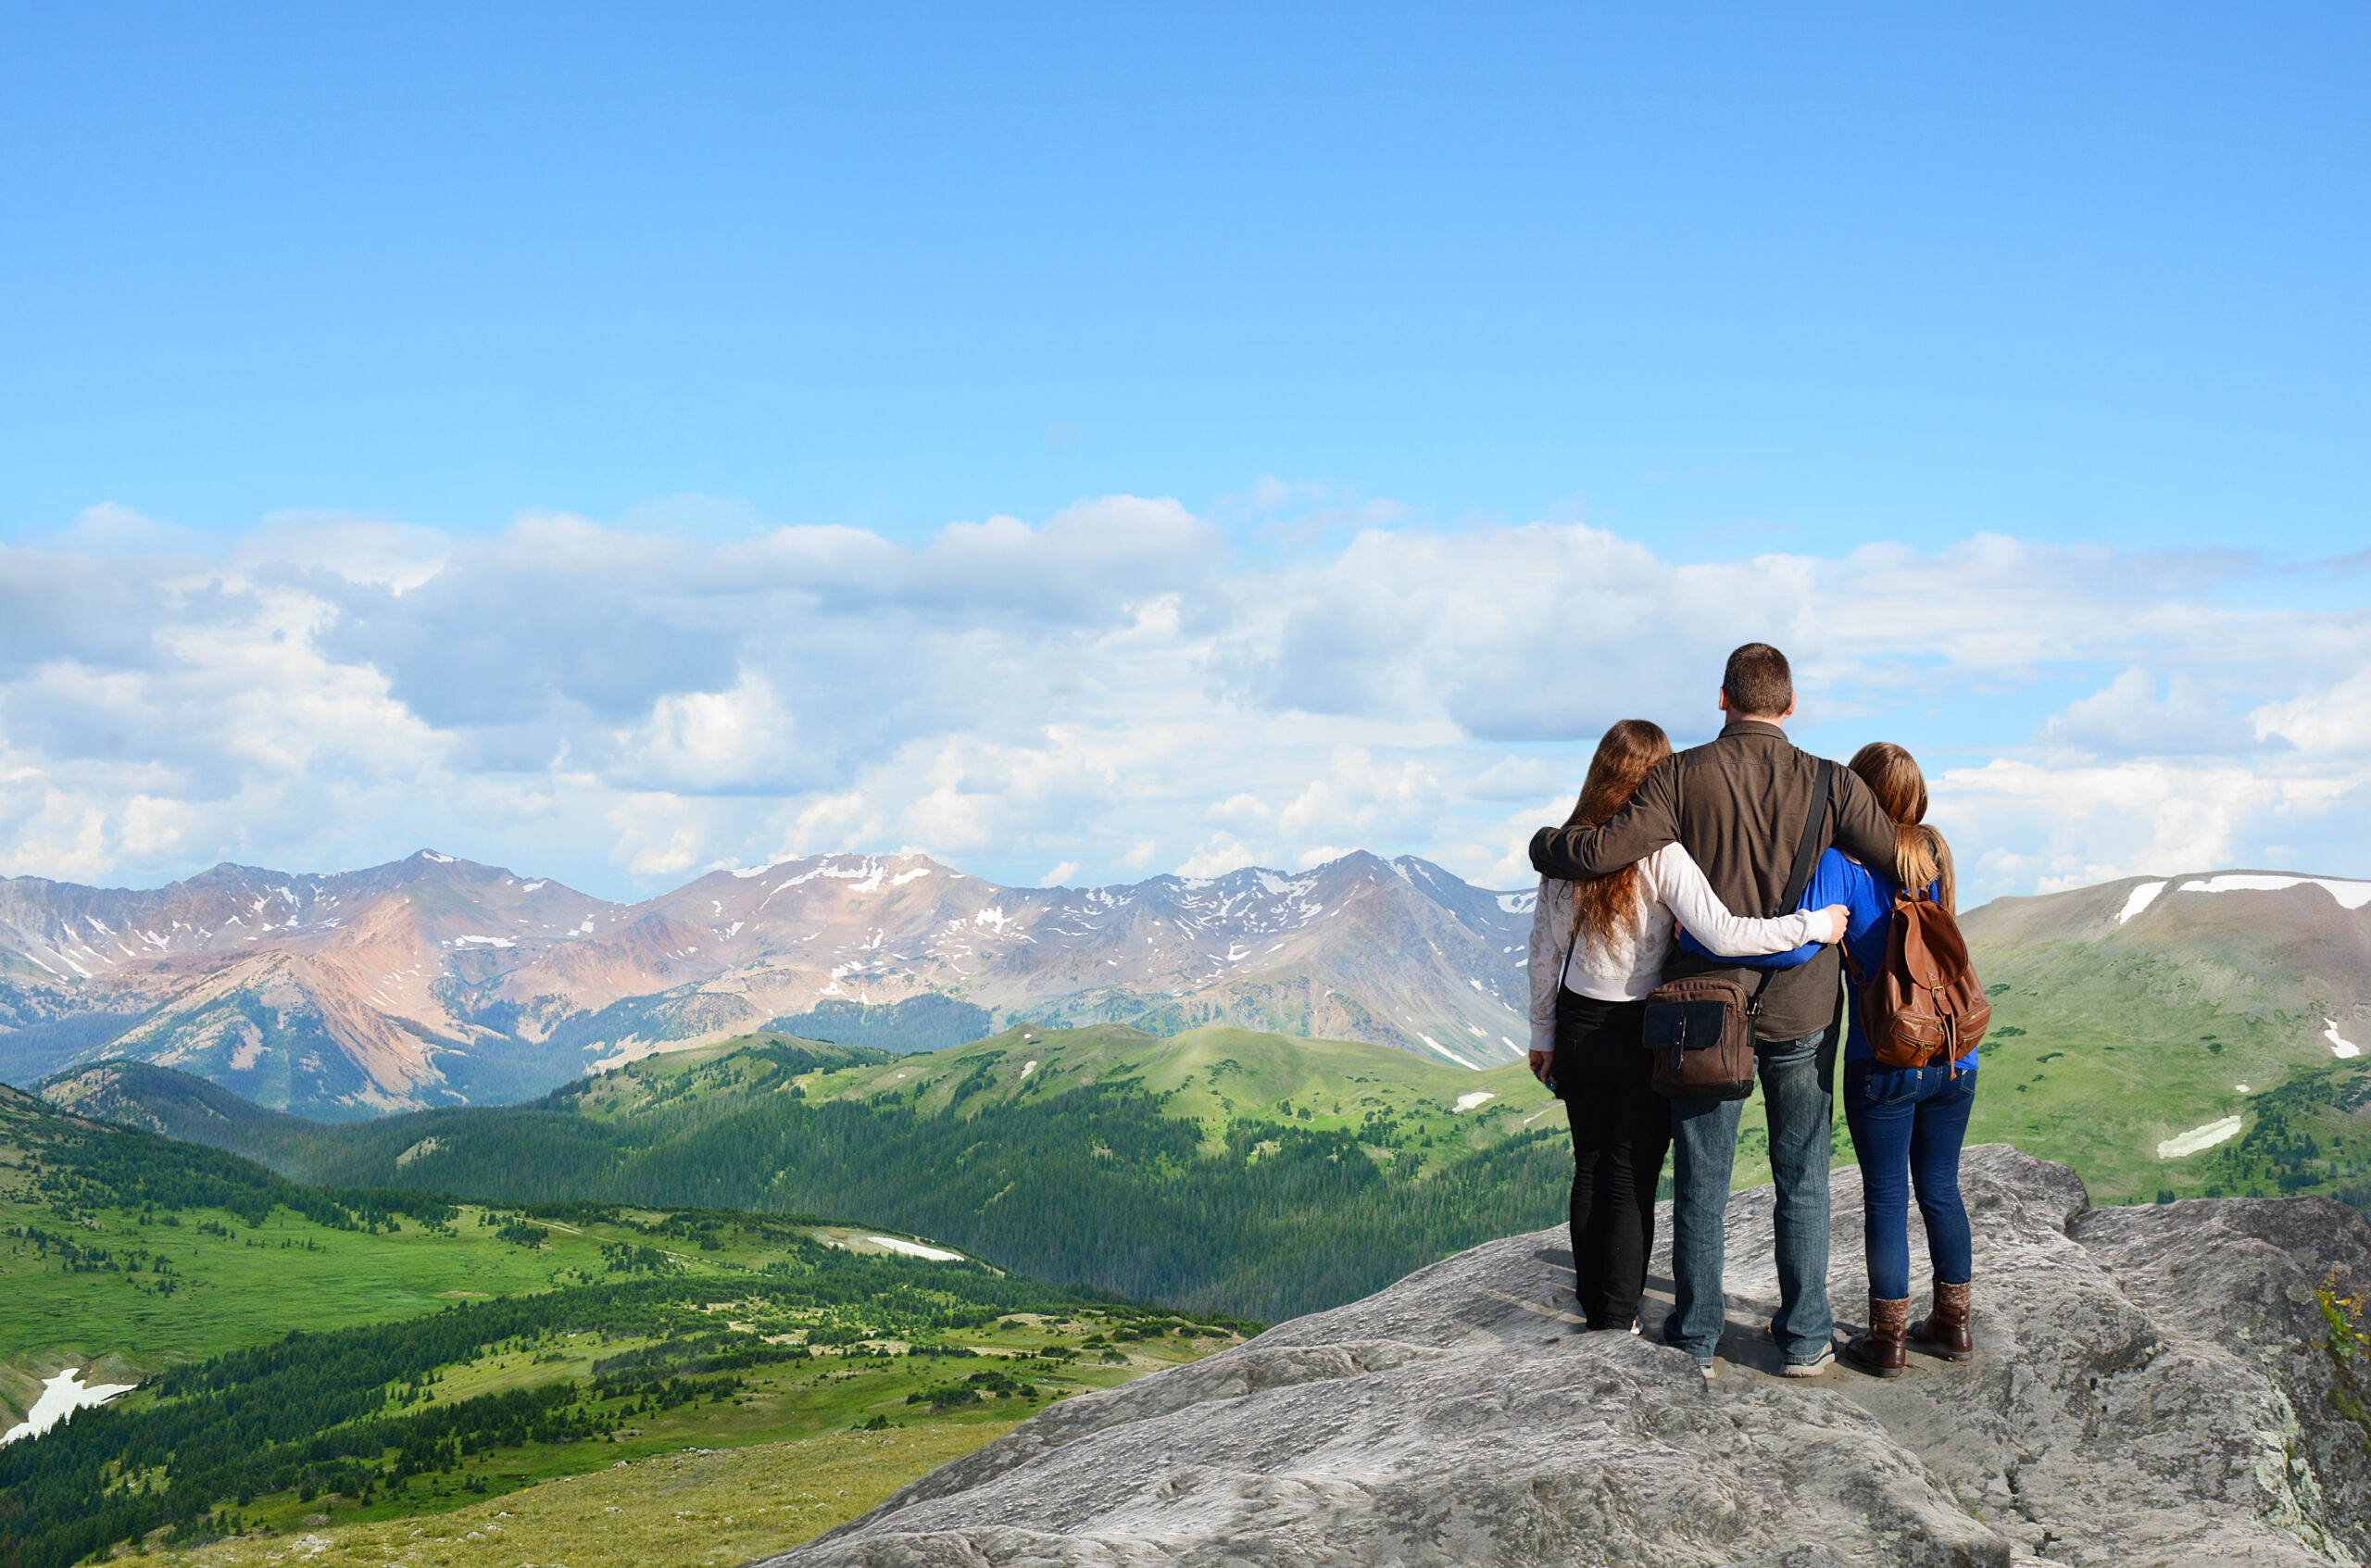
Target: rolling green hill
[
  {"x": 1223, "y": 1169},
  {"x": 2182, "y": 1035},
  {"x": 308, "y": 1354}
]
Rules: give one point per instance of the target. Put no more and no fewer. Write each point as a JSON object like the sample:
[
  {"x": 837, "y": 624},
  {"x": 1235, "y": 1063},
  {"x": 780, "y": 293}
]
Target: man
[{"x": 1738, "y": 803}]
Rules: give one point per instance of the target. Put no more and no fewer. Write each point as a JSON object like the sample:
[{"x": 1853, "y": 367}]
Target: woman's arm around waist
[{"x": 1680, "y": 882}]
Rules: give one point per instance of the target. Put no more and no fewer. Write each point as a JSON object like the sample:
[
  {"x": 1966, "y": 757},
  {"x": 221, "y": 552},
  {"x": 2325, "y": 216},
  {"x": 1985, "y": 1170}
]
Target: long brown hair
[
  {"x": 1611, "y": 903},
  {"x": 1920, "y": 855}
]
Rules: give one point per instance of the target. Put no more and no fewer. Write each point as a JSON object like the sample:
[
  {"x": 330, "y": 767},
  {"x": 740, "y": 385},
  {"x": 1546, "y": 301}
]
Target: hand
[
  {"x": 1837, "y": 915},
  {"x": 1541, "y": 1062}
]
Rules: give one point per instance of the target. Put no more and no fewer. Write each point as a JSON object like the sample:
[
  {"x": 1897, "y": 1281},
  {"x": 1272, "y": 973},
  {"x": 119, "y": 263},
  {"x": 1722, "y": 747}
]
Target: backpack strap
[{"x": 1800, "y": 876}]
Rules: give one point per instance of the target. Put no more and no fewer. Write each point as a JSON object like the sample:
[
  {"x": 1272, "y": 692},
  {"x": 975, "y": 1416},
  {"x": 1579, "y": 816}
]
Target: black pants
[{"x": 1620, "y": 1132}]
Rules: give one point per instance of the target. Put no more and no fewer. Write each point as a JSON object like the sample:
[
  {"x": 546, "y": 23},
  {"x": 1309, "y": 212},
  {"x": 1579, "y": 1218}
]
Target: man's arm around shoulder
[
  {"x": 1649, "y": 821},
  {"x": 1862, "y": 829}
]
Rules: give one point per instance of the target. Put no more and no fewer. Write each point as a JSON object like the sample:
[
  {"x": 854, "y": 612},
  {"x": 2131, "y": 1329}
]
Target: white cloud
[
  {"x": 716, "y": 740},
  {"x": 2331, "y": 721},
  {"x": 1219, "y": 854},
  {"x": 2128, "y": 717},
  {"x": 2073, "y": 825},
  {"x": 1060, "y": 874},
  {"x": 598, "y": 702}
]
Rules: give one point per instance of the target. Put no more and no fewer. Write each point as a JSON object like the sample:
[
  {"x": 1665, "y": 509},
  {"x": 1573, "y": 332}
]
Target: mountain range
[{"x": 434, "y": 980}]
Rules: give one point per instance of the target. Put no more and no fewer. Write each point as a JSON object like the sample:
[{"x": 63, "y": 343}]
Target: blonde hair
[
  {"x": 1624, "y": 757},
  {"x": 1920, "y": 853}
]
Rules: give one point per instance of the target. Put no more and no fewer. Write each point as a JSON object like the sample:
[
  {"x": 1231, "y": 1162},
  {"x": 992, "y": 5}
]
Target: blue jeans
[
  {"x": 1907, "y": 1126},
  {"x": 1797, "y": 1078}
]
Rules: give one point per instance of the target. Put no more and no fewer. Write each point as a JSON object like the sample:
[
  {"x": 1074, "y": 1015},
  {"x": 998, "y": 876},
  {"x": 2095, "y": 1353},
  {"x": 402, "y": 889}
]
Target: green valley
[
  {"x": 1221, "y": 1170},
  {"x": 309, "y": 1356}
]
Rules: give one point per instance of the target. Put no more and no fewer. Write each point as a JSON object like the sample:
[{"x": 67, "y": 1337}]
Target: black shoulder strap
[
  {"x": 1799, "y": 877},
  {"x": 1807, "y": 852}
]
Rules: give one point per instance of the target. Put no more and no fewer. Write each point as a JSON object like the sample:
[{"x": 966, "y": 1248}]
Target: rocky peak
[{"x": 2155, "y": 1388}]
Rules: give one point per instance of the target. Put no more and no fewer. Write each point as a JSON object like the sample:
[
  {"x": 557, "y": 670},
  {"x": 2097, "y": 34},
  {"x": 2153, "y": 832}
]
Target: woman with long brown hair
[
  {"x": 1908, "y": 1123},
  {"x": 1597, "y": 949}
]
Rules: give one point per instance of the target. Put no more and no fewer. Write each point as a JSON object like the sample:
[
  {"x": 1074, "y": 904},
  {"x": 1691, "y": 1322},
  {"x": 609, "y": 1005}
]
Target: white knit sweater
[{"x": 1627, "y": 968}]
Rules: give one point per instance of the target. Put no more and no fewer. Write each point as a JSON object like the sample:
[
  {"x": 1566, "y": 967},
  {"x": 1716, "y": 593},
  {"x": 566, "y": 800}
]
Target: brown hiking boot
[
  {"x": 1880, "y": 1349},
  {"x": 1946, "y": 1333}
]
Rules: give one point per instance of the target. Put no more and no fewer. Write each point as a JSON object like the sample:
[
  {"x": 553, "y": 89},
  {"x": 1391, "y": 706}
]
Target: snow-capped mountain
[{"x": 435, "y": 980}]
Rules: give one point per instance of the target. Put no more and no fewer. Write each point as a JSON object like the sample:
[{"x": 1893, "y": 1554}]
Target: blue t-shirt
[{"x": 1868, "y": 899}]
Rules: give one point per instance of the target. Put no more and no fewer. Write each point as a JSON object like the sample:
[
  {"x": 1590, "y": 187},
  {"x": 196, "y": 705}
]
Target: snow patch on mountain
[
  {"x": 2349, "y": 895},
  {"x": 2141, "y": 898}
]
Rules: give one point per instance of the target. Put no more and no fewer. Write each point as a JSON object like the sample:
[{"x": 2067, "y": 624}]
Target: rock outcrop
[{"x": 2156, "y": 1387}]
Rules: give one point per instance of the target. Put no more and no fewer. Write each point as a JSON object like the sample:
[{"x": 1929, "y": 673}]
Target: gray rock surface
[{"x": 2154, "y": 1388}]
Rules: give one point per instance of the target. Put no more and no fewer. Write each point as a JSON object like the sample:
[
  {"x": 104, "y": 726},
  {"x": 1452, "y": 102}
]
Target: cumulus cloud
[
  {"x": 2129, "y": 717},
  {"x": 1122, "y": 688}
]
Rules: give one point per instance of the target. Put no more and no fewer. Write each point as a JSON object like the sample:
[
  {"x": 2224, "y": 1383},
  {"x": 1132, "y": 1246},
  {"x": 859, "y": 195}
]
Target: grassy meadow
[
  {"x": 845, "y": 1427},
  {"x": 693, "y": 1506},
  {"x": 314, "y": 1360}
]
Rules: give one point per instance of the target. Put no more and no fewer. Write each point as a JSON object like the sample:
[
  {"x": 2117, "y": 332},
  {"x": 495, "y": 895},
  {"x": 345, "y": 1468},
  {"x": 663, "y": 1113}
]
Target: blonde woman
[
  {"x": 1597, "y": 949},
  {"x": 1908, "y": 1123}
]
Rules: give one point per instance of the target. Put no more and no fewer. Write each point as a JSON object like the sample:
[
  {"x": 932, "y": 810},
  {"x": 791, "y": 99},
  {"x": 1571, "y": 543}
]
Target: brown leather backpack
[{"x": 1924, "y": 1004}]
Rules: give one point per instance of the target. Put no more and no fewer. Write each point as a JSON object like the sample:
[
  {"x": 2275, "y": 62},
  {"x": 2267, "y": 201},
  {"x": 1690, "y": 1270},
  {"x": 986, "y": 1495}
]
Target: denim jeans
[
  {"x": 1907, "y": 1126},
  {"x": 1798, "y": 1077}
]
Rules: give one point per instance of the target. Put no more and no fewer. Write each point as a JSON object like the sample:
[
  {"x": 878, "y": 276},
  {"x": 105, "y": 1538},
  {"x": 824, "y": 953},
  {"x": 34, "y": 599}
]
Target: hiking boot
[
  {"x": 1880, "y": 1349},
  {"x": 1812, "y": 1368},
  {"x": 1946, "y": 1332}
]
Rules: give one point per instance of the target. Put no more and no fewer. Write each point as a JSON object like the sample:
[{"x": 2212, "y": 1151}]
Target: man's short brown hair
[{"x": 1758, "y": 680}]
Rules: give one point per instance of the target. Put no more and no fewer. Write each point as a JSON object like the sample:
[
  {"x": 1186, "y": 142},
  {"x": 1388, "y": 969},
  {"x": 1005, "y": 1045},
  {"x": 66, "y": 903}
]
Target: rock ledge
[{"x": 2153, "y": 1389}]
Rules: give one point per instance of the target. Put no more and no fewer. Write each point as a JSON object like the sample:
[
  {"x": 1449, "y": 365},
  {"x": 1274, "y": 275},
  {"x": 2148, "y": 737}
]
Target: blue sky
[{"x": 326, "y": 329}]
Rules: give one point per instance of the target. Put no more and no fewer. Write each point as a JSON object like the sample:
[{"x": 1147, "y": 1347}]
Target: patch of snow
[
  {"x": 2142, "y": 897},
  {"x": 2241, "y": 1087},
  {"x": 61, "y": 1397},
  {"x": 1467, "y": 1102},
  {"x": 1028, "y": 1068},
  {"x": 1519, "y": 903},
  {"x": 992, "y": 917},
  {"x": 489, "y": 940},
  {"x": 744, "y": 873},
  {"x": 2198, "y": 1138},
  {"x": 440, "y": 859},
  {"x": 2349, "y": 895},
  {"x": 916, "y": 1249},
  {"x": 1447, "y": 1052},
  {"x": 529, "y": 886},
  {"x": 2341, "y": 1048},
  {"x": 904, "y": 877}
]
